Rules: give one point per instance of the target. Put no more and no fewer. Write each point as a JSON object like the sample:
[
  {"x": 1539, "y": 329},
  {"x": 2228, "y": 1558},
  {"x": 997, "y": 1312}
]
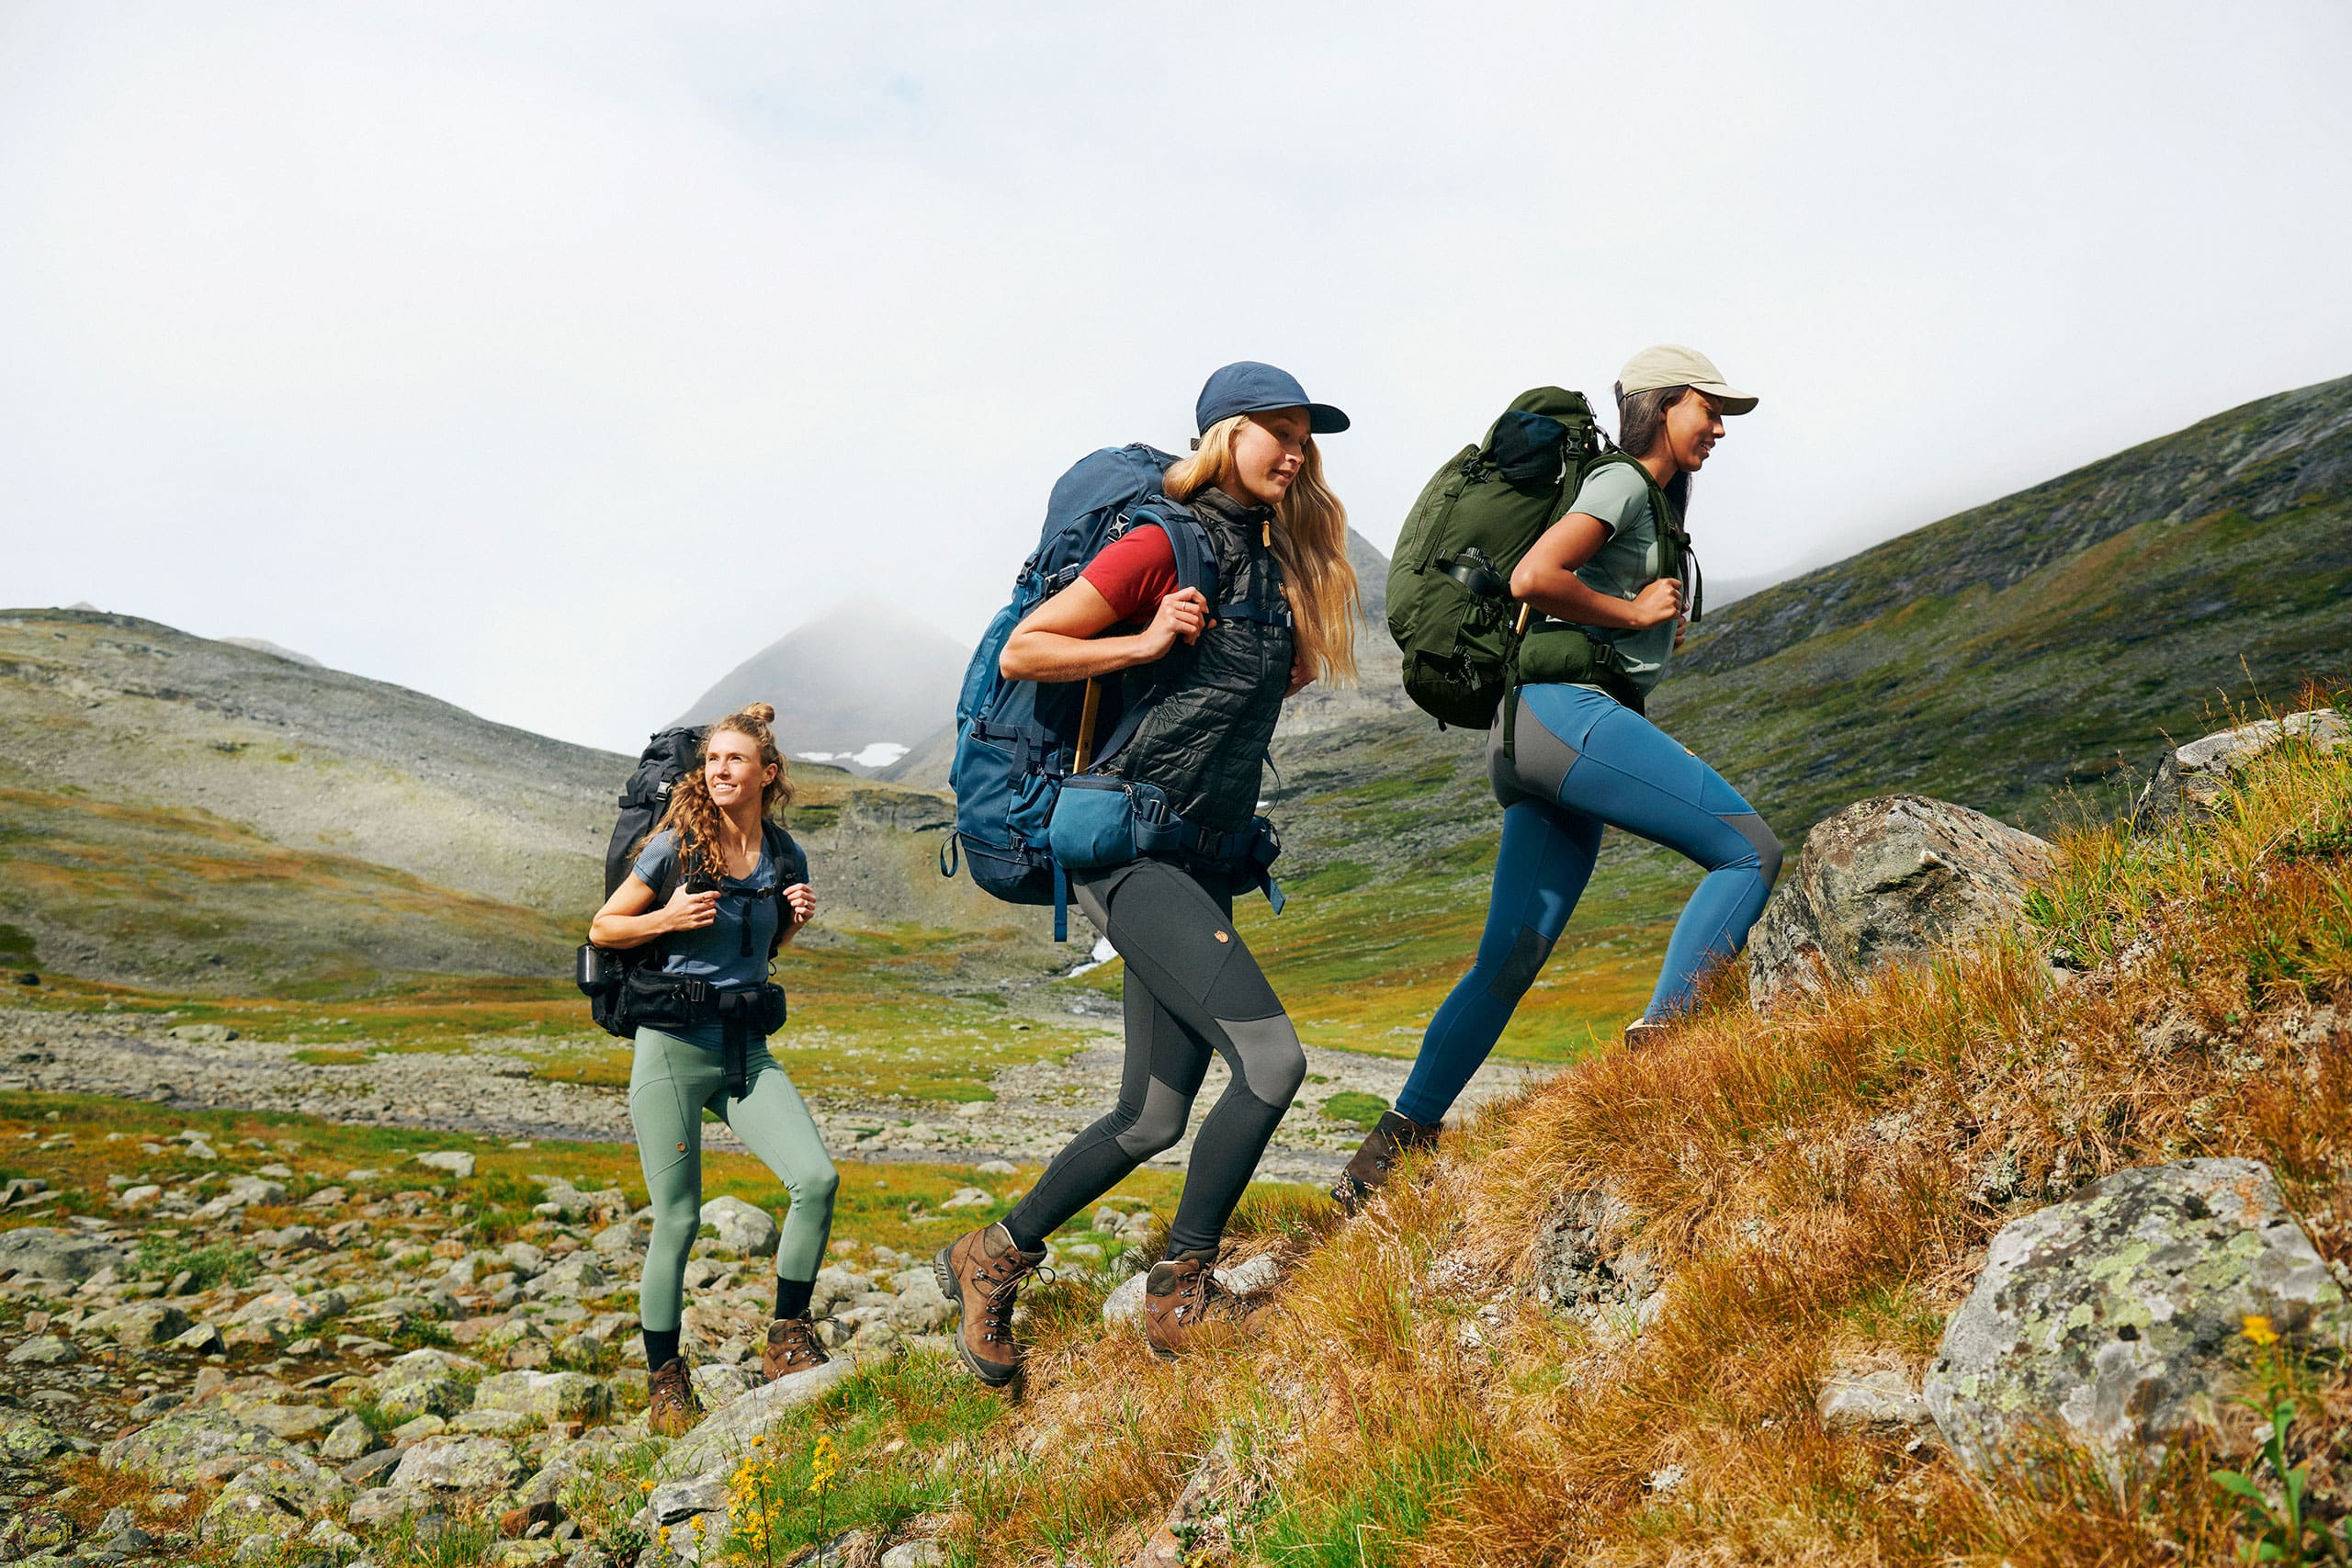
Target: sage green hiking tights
[{"x": 671, "y": 1083}]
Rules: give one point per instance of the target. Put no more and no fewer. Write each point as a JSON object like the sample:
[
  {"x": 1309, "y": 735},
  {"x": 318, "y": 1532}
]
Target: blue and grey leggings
[{"x": 1581, "y": 761}]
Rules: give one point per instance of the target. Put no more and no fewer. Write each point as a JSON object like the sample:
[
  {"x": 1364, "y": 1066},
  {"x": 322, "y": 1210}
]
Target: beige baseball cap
[{"x": 1671, "y": 364}]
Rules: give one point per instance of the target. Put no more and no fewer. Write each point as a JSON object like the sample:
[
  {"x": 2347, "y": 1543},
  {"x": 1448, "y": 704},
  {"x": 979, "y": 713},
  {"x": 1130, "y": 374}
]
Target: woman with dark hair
[
  {"x": 1581, "y": 755},
  {"x": 738, "y": 886},
  {"x": 1216, "y": 674}
]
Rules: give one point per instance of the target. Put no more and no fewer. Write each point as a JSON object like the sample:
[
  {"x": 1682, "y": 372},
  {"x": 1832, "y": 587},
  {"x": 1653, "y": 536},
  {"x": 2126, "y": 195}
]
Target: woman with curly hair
[{"x": 719, "y": 886}]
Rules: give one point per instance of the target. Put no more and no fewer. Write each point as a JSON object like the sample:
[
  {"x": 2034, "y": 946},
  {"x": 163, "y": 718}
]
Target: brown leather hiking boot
[
  {"x": 1393, "y": 1136},
  {"x": 1642, "y": 1032},
  {"x": 792, "y": 1348},
  {"x": 671, "y": 1407},
  {"x": 981, "y": 1272},
  {"x": 1182, "y": 1299}
]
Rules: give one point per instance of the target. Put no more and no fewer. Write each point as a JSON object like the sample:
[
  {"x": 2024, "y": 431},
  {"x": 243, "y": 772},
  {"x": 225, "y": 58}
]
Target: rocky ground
[
  {"x": 356, "y": 1365},
  {"x": 489, "y": 1090}
]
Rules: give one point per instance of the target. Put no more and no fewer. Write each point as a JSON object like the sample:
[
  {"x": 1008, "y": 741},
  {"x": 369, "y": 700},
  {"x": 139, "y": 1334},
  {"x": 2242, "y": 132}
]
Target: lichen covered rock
[
  {"x": 190, "y": 1447},
  {"x": 2188, "y": 782},
  {"x": 2118, "y": 1317},
  {"x": 1882, "y": 880}
]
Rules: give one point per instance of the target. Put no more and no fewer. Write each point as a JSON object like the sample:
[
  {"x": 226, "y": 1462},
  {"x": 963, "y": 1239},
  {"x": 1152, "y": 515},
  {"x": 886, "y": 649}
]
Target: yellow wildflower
[{"x": 2258, "y": 1329}]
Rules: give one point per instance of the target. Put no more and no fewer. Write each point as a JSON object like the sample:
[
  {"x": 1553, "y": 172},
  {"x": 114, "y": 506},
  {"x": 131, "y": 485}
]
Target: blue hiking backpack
[{"x": 1017, "y": 740}]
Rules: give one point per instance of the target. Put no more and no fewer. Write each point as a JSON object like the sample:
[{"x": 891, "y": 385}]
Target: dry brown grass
[{"x": 1817, "y": 1188}]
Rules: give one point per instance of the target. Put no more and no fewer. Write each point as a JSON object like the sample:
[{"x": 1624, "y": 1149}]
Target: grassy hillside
[
  {"x": 182, "y": 813},
  {"x": 2024, "y": 657},
  {"x": 1772, "y": 1199}
]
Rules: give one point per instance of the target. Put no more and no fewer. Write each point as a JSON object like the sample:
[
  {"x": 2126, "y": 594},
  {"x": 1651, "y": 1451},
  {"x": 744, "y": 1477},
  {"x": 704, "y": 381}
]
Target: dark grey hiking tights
[{"x": 1190, "y": 989}]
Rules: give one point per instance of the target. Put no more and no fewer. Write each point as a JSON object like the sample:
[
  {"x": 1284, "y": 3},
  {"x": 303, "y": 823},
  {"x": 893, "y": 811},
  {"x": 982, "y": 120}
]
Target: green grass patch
[
  {"x": 163, "y": 1254},
  {"x": 1371, "y": 1521},
  {"x": 1363, "y": 1110}
]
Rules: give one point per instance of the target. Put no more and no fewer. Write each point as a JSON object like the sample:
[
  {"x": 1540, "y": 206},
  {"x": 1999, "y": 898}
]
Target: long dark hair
[{"x": 1641, "y": 426}]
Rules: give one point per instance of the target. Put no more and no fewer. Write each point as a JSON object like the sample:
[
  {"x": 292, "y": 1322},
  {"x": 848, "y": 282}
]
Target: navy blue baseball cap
[{"x": 1249, "y": 386}]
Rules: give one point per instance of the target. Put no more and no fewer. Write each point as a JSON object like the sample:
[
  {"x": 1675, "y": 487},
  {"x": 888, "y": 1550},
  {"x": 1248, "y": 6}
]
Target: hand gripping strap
[{"x": 1195, "y": 568}]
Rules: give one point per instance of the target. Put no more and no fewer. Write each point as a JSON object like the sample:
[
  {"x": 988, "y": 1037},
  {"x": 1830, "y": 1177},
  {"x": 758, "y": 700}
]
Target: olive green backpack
[{"x": 1450, "y": 609}]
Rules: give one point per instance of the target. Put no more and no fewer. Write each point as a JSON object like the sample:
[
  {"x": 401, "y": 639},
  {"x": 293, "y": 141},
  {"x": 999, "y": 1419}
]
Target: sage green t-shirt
[{"x": 1629, "y": 560}]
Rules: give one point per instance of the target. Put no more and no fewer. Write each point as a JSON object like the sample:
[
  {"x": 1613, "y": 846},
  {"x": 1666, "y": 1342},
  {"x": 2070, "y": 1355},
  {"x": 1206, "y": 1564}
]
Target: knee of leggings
[
  {"x": 1762, "y": 844},
  {"x": 674, "y": 1213},
  {"x": 1517, "y": 972},
  {"x": 1274, "y": 1064},
  {"x": 1156, "y": 1127},
  {"x": 817, "y": 1186}
]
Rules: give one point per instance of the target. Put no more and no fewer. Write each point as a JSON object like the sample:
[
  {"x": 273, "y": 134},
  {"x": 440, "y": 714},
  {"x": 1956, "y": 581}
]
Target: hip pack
[{"x": 1100, "y": 821}]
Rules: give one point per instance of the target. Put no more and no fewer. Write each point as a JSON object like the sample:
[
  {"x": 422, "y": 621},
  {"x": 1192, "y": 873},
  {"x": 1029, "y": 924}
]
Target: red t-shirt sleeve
[{"x": 1135, "y": 572}]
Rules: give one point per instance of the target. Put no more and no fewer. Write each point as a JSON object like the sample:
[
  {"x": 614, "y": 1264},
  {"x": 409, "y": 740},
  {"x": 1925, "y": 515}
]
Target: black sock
[
  {"x": 660, "y": 1348},
  {"x": 792, "y": 1296}
]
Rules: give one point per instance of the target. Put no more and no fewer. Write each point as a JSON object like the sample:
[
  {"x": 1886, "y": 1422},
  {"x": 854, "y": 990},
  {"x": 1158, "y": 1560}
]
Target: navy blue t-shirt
[{"x": 716, "y": 953}]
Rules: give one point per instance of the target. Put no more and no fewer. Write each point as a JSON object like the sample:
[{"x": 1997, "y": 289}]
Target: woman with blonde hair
[
  {"x": 721, "y": 886},
  {"x": 1203, "y": 683}
]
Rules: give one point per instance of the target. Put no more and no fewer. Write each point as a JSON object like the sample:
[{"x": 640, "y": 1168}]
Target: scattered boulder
[
  {"x": 456, "y": 1162},
  {"x": 1882, "y": 880},
  {"x": 459, "y": 1464},
  {"x": 193, "y": 1446},
  {"x": 40, "y": 1252},
  {"x": 717, "y": 1386},
  {"x": 272, "y": 1496},
  {"x": 351, "y": 1438},
  {"x": 387, "y": 1506},
  {"x": 725, "y": 1433},
  {"x": 1881, "y": 1398},
  {"x": 2118, "y": 1317},
  {"x": 921, "y": 1307},
  {"x": 2188, "y": 782},
  {"x": 44, "y": 1351},
  {"x": 139, "y": 1324},
  {"x": 968, "y": 1198},
  {"x": 25, "y": 1441},
  {"x": 743, "y": 1228},
  {"x": 424, "y": 1383},
  {"x": 545, "y": 1396}
]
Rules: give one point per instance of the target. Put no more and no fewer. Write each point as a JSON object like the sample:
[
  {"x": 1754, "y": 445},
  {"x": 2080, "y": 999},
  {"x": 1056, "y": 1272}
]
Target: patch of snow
[
  {"x": 1103, "y": 953},
  {"x": 875, "y": 754}
]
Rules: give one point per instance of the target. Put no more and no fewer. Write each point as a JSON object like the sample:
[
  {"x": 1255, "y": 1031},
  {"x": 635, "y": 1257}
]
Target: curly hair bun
[{"x": 761, "y": 711}]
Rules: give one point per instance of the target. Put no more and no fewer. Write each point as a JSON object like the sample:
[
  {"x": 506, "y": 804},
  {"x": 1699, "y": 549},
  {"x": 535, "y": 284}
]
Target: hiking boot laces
[{"x": 1004, "y": 1292}]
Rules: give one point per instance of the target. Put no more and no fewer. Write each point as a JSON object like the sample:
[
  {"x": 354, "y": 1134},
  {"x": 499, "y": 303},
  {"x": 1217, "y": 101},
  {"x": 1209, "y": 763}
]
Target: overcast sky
[{"x": 550, "y": 359}]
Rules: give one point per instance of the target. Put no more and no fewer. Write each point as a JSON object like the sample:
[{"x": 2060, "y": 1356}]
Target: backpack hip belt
[
  {"x": 671, "y": 1002},
  {"x": 1101, "y": 821}
]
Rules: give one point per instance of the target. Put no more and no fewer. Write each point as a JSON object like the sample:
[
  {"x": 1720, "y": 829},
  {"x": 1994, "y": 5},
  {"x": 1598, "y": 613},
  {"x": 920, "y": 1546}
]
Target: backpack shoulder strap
[
  {"x": 1195, "y": 568},
  {"x": 1187, "y": 538}
]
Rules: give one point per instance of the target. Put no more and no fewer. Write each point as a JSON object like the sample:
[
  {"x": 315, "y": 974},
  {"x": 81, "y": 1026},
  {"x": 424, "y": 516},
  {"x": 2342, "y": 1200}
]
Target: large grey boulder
[
  {"x": 2118, "y": 1317},
  {"x": 724, "y": 1434},
  {"x": 545, "y": 1396},
  {"x": 1883, "y": 880},
  {"x": 459, "y": 1464},
  {"x": 425, "y": 1382},
  {"x": 743, "y": 1228},
  {"x": 40, "y": 1252},
  {"x": 2188, "y": 782},
  {"x": 272, "y": 1497},
  {"x": 190, "y": 1447}
]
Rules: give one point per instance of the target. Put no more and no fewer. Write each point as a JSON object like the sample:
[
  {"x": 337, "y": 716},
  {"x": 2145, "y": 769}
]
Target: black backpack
[{"x": 667, "y": 758}]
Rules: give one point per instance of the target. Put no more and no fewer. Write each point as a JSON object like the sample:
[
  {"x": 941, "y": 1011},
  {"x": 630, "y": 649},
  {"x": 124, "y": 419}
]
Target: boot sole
[{"x": 995, "y": 1377}]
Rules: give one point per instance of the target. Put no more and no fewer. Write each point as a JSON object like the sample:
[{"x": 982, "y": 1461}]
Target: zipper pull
[{"x": 1266, "y": 533}]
